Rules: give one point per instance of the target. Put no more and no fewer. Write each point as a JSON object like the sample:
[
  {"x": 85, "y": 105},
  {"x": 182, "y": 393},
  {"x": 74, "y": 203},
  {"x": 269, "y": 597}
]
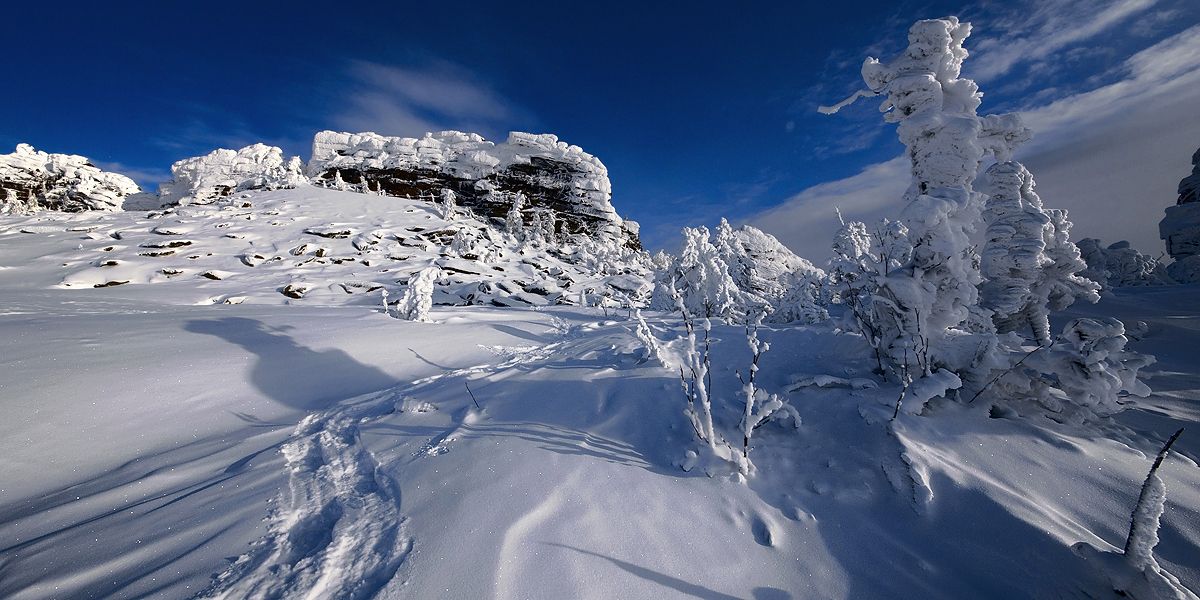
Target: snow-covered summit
[
  {"x": 32, "y": 180},
  {"x": 205, "y": 179},
  {"x": 560, "y": 181}
]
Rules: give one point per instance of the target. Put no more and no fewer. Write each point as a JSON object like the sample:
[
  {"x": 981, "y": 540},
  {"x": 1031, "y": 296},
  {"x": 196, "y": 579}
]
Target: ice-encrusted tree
[
  {"x": 1028, "y": 261},
  {"x": 417, "y": 300},
  {"x": 920, "y": 305},
  {"x": 448, "y": 206},
  {"x": 701, "y": 279},
  {"x": 514, "y": 221}
]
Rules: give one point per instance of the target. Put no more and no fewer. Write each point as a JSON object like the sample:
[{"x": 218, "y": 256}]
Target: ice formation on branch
[
  {"x": 32, "y": 180},
  {"x": 1180, "y": 228},
  {"x": 206, "y": 179},
  {"x": 1028, "y": 260}
]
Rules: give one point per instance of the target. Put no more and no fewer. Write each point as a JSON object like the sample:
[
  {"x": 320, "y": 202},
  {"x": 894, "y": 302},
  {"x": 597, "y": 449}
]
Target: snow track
[{"x": 338, "y": 531}]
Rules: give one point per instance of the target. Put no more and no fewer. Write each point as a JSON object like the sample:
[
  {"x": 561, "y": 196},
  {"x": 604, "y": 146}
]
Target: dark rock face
[
  {"x": 1180, "y": 228},
  {"x": 561, "y": 184},
  {"x": 32, "y": 180}
]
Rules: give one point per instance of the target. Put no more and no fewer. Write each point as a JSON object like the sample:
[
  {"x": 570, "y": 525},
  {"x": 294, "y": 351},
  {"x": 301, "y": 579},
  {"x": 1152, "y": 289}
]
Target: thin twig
[
  {"x": 1010, "y": 369},
  {"x": 472, "y": 396}
]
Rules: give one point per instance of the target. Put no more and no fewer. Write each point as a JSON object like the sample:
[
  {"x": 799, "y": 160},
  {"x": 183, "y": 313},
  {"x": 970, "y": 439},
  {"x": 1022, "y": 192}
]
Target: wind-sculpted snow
[
  {"x": 559, "y": 181},
  {"x": 337, "y": 532},
  {"x": 1120, "y": 265},
  {"x": 206, "y": 179},
  {"x": 32, "y": 180}
]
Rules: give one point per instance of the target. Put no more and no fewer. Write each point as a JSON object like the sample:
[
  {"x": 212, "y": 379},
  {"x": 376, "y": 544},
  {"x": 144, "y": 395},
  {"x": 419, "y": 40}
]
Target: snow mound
[
  {"x": 205, "y": 179},
  {"x": 32, "y": 180}
]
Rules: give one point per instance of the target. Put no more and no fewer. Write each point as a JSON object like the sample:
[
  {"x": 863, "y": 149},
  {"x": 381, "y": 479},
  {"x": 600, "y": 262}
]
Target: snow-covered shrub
[
  {"x": 694, "y": 373},
  {"x": 861, "y": 259},
  {"x": 698, "y": 280},
  {"x": 646, "y": 337},
  {"x": 1028, "y": 259},
  {"x": 418, "y": 295},
  {"x": 759, "y": 407},
  {"x": 1085, "y": 368}
]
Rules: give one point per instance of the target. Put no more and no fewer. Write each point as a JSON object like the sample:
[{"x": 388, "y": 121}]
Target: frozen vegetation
[{"x": 444, "y": 367}]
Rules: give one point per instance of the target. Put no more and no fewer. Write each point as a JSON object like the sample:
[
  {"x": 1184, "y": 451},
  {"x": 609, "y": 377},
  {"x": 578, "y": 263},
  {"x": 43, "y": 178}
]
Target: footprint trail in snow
[{"x": 338, "y": 532}]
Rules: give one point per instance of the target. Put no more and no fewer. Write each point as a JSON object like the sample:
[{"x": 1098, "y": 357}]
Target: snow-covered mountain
[{"x": 32, "y": 180}]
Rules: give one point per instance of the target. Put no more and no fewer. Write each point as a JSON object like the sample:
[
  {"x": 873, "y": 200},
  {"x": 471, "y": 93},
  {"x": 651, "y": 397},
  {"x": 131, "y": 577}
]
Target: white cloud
[
  {"x": 405, "y": 101},
  {"x": 1038, "y": 31},
  {"x": 1112, "y": 156}
]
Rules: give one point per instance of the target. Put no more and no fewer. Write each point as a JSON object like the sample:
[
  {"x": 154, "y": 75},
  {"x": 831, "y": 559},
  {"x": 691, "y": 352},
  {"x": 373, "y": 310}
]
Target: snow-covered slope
[
  {"x": 32, "y": 180},
  {"x": 311, "y": 245},
  {"x": 235, "y": 451}
]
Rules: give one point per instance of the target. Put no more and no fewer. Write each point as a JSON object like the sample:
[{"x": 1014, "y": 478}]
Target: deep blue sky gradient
[{"x": 698, "y": 109}]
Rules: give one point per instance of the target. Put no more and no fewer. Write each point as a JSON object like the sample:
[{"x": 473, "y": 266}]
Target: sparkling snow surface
[{"x": 157, "y": 442}]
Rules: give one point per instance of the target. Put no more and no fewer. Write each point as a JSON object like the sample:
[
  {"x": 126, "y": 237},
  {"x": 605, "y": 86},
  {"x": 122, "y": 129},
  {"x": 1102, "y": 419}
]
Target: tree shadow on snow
[{"x": 292, "y": 374}]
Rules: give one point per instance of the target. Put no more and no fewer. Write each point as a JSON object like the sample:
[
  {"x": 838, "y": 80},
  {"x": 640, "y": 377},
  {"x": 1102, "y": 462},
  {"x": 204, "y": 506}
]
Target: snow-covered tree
[
  {"x": 1120, "y": 265},
  {"x": 417, "y": 300},
  {"x": 920, "y": 305},
  {"x": 448, "y": 206},
  {"x": 768, "y": 274},
  {"x": 701, "y": 280},
  {"x": 515, "y": 222},
  {"x": 1029, "y": 262}
]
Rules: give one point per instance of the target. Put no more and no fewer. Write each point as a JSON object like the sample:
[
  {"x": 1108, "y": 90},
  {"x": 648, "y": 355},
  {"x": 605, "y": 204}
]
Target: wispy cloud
[
  {"x": 395, "y": 100},
  {"x": 1111, "y": 155},
  {"x": 1038, "y": 32}
]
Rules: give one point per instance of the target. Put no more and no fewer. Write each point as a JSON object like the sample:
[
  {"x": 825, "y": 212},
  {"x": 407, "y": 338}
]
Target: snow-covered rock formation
[
  {"x": 206, "y": 179},
  {"x": 32, "y": 180},
  {"x": 561, "y": 183},
  {"x": 1180, "y": 228}
]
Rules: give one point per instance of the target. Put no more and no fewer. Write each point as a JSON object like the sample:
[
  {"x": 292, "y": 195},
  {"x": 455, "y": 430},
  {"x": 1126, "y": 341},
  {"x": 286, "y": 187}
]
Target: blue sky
[{"x": 699, "y": 110}]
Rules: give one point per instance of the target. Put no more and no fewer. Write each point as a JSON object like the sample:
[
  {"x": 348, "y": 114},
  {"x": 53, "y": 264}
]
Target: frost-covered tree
[
  {"x": 515, "y": 222},
  {"x": 417, "y": 300},
  {"x": 448, "y": 206},
  {"x": 770, "y": 275},
  {"x": 1120, "y": 265},
  {"x": 922, "y": 306},
  {"x": 1029, "y": 262},
  {"x": 701, "y": 280}
]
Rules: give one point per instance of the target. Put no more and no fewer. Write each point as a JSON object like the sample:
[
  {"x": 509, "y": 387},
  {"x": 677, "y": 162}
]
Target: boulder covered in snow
[
  {"x": 32, "y": 180},
  {"x": 1120, "y": 265},
  {"x": 1180, "y": 228},
  {"x": 562, "y": 182},
  {"x": 206, "y": 179}
]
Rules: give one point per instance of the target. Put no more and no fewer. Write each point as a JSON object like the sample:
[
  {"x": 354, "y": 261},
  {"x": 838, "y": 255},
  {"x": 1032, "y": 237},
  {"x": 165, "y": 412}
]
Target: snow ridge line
[{"x": 337, "y": 532}]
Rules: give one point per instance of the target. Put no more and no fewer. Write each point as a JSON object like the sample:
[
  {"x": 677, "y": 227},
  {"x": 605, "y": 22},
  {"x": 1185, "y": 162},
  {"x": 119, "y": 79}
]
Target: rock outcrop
[
  {"x": 561, "y": 183},
  {"x": 1180, "y": 228},
  {"x": 32, "y": 180},
  {"x": 206, "y": 179}
]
